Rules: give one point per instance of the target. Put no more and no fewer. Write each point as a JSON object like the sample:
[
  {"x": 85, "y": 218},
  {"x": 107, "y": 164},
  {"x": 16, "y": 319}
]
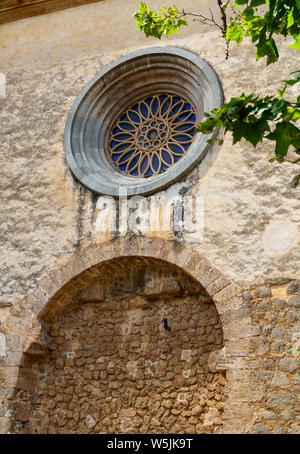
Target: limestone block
[
  {"x": 37, "y": 351},
  {"x": 293, "y": 288},
  {"x": 280, "y": 380},
  {"x": 288, "y": 364},
  {"x": 164, "y": 288},
  {"x": 216, "y": 360},
  {"x": 240, "y": 329},
  {"x": 259, "y": 429},
  {"x": 4, "y": 424},
  {"x": 280, "y": 400},
  {"x": 27, "y": 380},
  {"x": 262, "y": 292},
  {"x": 94, "y": 293},
  {"x": 23, "y": 411}
]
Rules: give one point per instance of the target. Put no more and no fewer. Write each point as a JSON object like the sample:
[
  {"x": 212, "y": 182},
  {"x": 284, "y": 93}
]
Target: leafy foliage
[
  {"x": 251, "y": 117},
  {"x": 166, "y": 22},
  {"x": 282, "y": 17},
  {"x": 255, "y": 118}
]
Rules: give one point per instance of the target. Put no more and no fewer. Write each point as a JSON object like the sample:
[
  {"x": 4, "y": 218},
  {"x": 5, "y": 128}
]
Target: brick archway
[{"x": 24, "y": 324}]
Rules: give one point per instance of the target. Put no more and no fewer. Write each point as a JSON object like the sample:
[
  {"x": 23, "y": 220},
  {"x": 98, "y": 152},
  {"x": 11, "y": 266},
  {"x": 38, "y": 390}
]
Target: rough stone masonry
[{"x": 82, "y": 350}]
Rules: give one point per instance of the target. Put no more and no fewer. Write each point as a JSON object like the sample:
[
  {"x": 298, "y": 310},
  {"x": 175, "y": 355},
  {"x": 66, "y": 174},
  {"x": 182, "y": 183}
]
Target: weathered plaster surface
[
  {"x": 46, "y": 216},
  {"x": 103, "y": 26}
]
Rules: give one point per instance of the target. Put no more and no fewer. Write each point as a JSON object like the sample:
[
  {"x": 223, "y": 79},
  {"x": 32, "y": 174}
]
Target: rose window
[
  {"x": 152, "y": 135},
  {"x": 131, "y": 130}
]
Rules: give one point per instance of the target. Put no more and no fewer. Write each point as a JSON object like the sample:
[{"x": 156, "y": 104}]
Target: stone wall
[
  {"x": 47, "y": 216},
  {"x": 277, "y": 313},
  {"x": 114, "y": 367},
  {"x": 52, "y": 249},
  {"x": 102, "y": 277}
]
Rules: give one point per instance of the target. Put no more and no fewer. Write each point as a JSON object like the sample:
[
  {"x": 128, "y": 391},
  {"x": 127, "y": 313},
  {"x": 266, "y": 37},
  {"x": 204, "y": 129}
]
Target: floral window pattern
[{"x": 152, "y": 135}]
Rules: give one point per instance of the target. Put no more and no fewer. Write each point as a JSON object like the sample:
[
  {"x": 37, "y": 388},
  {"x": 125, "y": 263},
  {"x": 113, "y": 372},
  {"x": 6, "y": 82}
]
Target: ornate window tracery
[
  {"x": 131, "y": 129},
  {"x": 152, "y": 135}
]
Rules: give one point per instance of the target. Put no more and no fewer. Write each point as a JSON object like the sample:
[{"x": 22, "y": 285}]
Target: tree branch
[
  {"x": 224, "y": 21},
  {"x": 212, "y": 22}
]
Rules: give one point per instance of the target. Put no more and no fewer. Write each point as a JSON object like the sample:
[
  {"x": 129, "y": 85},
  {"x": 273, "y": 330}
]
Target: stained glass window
[{"x": 152, "y": 135}]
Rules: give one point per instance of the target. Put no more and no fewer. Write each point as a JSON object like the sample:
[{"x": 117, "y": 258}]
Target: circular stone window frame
[{"x": 129, "y": 78}]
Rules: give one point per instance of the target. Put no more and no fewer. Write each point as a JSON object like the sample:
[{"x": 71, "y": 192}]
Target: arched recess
[{"x": 30, "y": 319}]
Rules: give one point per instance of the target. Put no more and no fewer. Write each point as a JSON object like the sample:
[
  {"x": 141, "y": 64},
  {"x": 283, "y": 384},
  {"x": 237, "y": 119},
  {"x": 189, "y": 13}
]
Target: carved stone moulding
[{"x": 133, "y": 80}]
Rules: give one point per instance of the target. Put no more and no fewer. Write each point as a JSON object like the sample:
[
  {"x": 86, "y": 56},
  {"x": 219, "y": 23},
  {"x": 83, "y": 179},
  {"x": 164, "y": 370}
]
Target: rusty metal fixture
[
  {"x": 154, "y": 150},
  {"x": 152, "y": 135}
]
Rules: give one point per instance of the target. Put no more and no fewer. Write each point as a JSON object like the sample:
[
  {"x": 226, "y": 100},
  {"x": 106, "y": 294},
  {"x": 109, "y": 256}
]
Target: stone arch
[
  {"x": 41, "y": 301},
  {"x": 29, "y": 317}
]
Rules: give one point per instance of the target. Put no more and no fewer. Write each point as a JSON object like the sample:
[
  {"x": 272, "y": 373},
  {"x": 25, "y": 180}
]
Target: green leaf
[
  {"x": 255, "y": 3},
  {"x": 294, "y": 80},
  {"x": 239, "y": 3},
  {"x": 235, "y": 33},
  {"x": 267, "y": 48},
  {"x": 292, "y": 115},
  {"x": 296, "y": 44},
  {"x": 182, "y": 22},
  {"x": 278, "y": 107},
  {"x": 290, "y": 18},
  {"x": 282, "y": 139}
]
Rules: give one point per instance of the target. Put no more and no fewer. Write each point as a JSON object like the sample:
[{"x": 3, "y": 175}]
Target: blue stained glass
[
  {"x": 166, "y": 107},
  {"x": 133, "y": 162},
  {"x": 166, "y": 157},
  {"x": 162, "y": 97},
  {"x": 127, "y": 126},
  {"x": 144, "y": 164},
  {"x": 113, "y": 144},
  {"x": 185, "y": 127},
  {"x": 183, "y": 116},
  {"x": 126, "y": 156},
  {"x": 123, "y": 136},
  {"x": 155, "y": 106},
  {"x": 121, "y": 147},
  {"x": 176, "y": 148},
  {"x": 155, "y": 163},
  {"x": 144, "y": 110},
  {"x": 182, "y": 138},
  {"x": 153, "y": 122},
  {"x": 149, "y": 173},
  {"x": 134, "y": 117},
  {"x": 175, "y": 110}
]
